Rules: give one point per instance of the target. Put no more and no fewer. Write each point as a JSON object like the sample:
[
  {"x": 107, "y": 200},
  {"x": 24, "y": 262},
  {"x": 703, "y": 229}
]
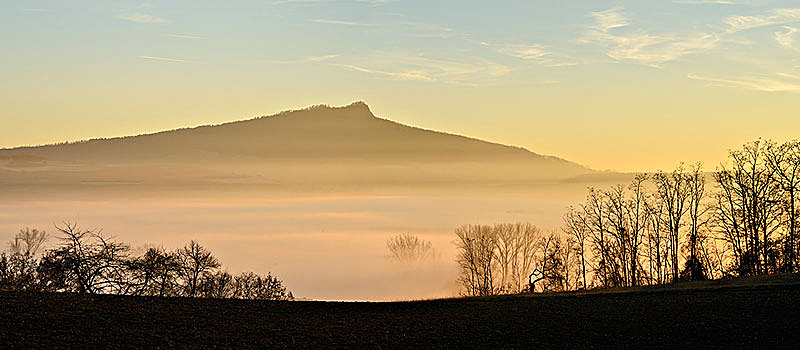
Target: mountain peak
[
  {"x": 358, "y": 108},
  {"x": 358, "y": 105},
  {"x": 355, "y": 111},
  {"x": 319, "y": 136}
]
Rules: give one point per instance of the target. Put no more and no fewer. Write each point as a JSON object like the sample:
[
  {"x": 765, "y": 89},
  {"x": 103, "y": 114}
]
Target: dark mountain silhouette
[{"x": 315, "y": 145}]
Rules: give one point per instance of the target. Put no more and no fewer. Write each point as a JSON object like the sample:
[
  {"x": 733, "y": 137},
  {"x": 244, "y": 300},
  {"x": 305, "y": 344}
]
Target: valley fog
[
  {"x": 328, "y": 245},
  {"x": 309, "y": 195}
]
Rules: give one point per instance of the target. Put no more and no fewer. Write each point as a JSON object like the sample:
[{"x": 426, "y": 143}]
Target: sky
[{"x": 623, "y": 85}]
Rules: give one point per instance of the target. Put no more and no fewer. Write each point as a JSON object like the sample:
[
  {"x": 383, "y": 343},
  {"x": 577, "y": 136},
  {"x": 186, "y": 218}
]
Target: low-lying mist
[
  {"x": 324, "y": 245},
  {"x": 309, "y": 195}
]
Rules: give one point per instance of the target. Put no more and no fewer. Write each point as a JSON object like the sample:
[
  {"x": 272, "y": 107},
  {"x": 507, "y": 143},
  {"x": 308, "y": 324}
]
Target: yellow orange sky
[{"x": 633, "y": 86}]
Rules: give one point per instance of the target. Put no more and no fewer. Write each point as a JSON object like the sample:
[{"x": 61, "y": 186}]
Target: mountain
[{"x": 317, "y": 145}]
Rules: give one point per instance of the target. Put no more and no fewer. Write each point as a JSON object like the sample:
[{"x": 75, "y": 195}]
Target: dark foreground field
[{"x": 751, "y": 313}]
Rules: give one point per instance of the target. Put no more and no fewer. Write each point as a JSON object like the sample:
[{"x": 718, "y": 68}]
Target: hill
[
  {"x": 744, "y": 313},
  {"x": 317, "y": 145}
]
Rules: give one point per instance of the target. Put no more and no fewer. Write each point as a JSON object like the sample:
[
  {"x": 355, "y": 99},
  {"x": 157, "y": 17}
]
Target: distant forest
[
  {"x": 129, "y": 137},
  {"x": 87, "y": 261},
  {"x": 660, "y": 228}
]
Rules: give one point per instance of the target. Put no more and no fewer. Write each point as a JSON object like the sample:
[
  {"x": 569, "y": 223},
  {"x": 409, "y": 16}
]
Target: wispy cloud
[
  {"x": 143, "y": 18},
  {"x": 655, "y": 50},
  {"x": 186, "y": 36},
  {"x": 643, "y": 48},
  {"x": 321, "y": 58},
  {"x": 345, "y": 23},
  {"x": 773, "y": 17},
  {"x": 609, "y": 19},
  {"x": 401, "y": 66},
  {"x": 535, "y": 53},
  {"x": 786, "y": 39},
  {"x": 308, "y": 59},
  {"x": 408, "y": 75},
  {"x": 787, "y": 82},
  {"x": 164, "y": 59}
]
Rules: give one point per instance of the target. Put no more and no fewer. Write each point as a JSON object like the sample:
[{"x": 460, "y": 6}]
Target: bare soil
[{"x": 743, "y": 313}]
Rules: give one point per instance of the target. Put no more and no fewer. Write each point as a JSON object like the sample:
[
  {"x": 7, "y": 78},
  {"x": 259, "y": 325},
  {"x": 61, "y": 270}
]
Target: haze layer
[{"x": 311, "y": 195}]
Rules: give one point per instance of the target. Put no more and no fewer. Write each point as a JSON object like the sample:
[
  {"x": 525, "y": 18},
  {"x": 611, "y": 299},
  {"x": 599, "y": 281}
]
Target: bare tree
[
  {"x": 497, "y": 259},
  {"x": 195, "y": 262},
  {"x": 18, "y": 272},
  {"x": 638, "y": 216},
  {"x": 552, "y": 263},
  {"x": 596, "y": 217},
  {"x": 476, "y": 245},
  {"x": 570, "y": 262},
  {"x": 696, "y": 183},
  {"x": 575, "y": 226},
  {"x": 218, "y": 285},
  {"x": 748, "y": 225},
  {"x": 728, "y": 220},
  {"x": 407, "y": 248},
  {"x": 86, "y": 261},
  {"x": 784, "y": 161},
  {"x": 714, "y": 257},
  {"x": 673, "y": 192},
  {"x": 18, "y": 269},
  {"x": 154, "y": 273},
  {"x": 656, "y": 245},
  {"x": 618, "y": 228},
  {"x": 748, "y": 210},
  {"x": 516, "y": 247},
  {"x": 28, "y": 242},
  {"x": 251, "y": 286},
  {"x": 505, "y": 253},
  {"x": 92, "y": 262}
]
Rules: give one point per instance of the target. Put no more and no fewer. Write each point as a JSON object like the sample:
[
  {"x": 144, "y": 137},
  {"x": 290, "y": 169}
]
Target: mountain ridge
[
  {"x": 334, "y": 141},
  {"x": 279, "y": 114},
  {"x": 361, "y": 106}
]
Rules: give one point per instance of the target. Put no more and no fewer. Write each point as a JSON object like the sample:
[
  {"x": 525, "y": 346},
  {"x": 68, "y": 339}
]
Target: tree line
[
  {"x": 87, "y": 261},
  {"x": 660, "y": 228},
  {"x": 498, "y": 259}
]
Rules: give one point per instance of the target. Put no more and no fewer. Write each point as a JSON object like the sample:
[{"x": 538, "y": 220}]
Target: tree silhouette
[
  {"x": 86, "y": 261},
  {"x": 195, "y": 262},
  {"x": 407, "y": 248}
]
